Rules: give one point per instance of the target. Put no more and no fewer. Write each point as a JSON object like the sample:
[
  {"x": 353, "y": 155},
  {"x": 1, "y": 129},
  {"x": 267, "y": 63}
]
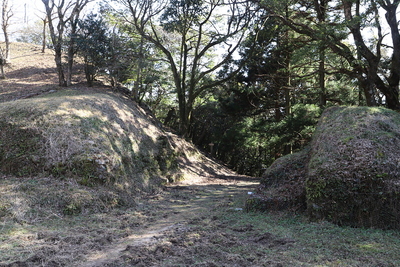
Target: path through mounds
[{"x": 177, "y": 216}]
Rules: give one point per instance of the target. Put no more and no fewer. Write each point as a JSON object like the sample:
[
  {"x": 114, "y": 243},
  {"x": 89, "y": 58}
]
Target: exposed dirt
[
  {"x": 29, "y": 73},
  {"x": 180, "y": 227}
]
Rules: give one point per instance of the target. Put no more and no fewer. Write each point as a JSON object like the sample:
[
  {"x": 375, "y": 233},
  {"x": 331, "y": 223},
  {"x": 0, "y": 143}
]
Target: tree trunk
[
  {"x": 88, "y": 72},
  {"x": 44, "y": 35},
  {"x": 57, "y": 38},
  {"x": 373, "y": 81},
  {"x": 369, "y": 92},
  {"x": 60, "y": 70},
  {"x": 182, "y": 113},
  {"x": 138, "y": 83},
  {"x": 70, "y": 63},
  {"x": 320, "y": 6},
  {"x": 71, "y": 48},
  {"x": 6, "y": 16},
  {"x": 2, "y": 74},
  {"x": 321, "y": 77},
  {"x": 7, "y": 52},
  {"x": 392, "y": 96}
]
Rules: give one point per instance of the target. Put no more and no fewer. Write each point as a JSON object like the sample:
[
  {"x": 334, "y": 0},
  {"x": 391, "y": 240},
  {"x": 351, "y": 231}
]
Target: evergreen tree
[{"x": 94, "y": 45}]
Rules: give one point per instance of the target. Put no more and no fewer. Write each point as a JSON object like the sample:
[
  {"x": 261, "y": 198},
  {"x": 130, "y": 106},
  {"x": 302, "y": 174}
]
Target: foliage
[
  {"x": 249, "y": 144},
  {"x": 272, "y": 101},
  {"x": 133, "y": 62},
  {"x": 94, "y": 45},
  {"x": 141, "y": 69},
  {"x": 320, "y": 21}
]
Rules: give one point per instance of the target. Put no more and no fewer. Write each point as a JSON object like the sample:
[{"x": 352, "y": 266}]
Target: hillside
[{"x": 30, "y": 72}]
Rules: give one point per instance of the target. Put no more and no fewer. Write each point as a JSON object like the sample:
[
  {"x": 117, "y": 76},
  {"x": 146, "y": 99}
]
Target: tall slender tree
[
  {"x": 6, "y": 15},
  {"x": 376, "y": 74},
  {"x": 44, "y": 33},
  {"x": 321, "y": 7}
]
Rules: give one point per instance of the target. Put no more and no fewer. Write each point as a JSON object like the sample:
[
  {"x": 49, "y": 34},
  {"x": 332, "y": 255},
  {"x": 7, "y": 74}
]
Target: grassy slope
[
  {"x": 30, "y": 72},
  {"x": 73, "y": 129},
  {"x": 90, "y": 140},
  {"x": 93, "y": 139}
]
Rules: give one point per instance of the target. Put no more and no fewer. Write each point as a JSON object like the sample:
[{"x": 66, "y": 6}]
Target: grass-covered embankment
[
  {"x": 91, "y": 139},
  {"x": 349, "y": 174}
]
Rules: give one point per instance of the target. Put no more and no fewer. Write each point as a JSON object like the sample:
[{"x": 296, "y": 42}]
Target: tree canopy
[{"x": 189, "y": 34}]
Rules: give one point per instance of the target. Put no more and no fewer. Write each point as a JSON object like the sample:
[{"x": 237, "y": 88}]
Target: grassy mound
[
  {"x": 96, "y": 138},
  {"x": 349, "y": 175},
  {"x": 282, "y": 186},
  {"x": 354, "y": 170},
  {"x": 88, "y": 141}
]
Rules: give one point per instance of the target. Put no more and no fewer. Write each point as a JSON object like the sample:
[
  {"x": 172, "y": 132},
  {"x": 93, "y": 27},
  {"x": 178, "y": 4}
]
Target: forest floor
[
  {"x": 198, "y": 222},
  {"x": 190, "y": 224}
]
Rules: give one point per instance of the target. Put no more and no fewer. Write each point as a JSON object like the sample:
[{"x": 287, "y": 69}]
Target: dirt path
[
  {"x": 174, "y": 214},
  {"x": 200, "y": 223}
]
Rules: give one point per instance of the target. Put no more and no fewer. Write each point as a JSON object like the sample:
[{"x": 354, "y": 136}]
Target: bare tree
[
  {"x": 6, "y": 15},
  {"x": 66, "y": 15}
]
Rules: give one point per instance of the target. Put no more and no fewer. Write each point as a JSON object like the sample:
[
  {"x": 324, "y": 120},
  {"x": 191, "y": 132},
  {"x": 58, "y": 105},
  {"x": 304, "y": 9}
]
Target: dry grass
[{"x": 95, "y": 139}]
